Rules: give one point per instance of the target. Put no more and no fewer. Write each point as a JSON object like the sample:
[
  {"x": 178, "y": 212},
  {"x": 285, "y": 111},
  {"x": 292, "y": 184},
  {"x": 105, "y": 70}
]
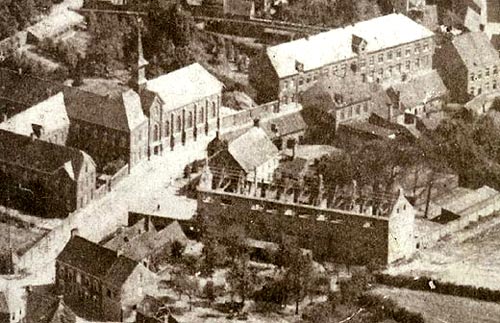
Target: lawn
[
  {"x": 438, "y": 308},
  {"x": 473, "y": 262},
  {"x": 21, "y": 239}
]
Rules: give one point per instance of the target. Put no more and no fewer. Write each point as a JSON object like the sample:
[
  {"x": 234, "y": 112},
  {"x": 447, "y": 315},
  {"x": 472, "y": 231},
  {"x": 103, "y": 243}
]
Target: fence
[
  {"x": 118, "y": 176},
  {"x": 246, "y": 117},
  {"x": 10, "y": 44},
  {"x": 476, "y": 212}
]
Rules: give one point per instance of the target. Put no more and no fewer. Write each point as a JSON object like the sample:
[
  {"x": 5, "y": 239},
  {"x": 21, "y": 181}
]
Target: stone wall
[{"x": 343, "y": 237}]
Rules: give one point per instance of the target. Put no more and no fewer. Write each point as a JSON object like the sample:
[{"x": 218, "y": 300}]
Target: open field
[
  {"x": 438, "y": 308},
  {"x": 472, "y": 262},
  {"x": 20, "y": 238}
]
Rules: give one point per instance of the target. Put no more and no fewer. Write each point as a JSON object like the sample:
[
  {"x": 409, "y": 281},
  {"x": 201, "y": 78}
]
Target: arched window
[
  {"x": 214, "y": 110},
  {"x": 178, "y": 125},
  {"x": 156, "y": 133},
  {"x": 167, "y": 128},
  {"x": 190, "y": 119},
  {"x": 201, "y": 118}
]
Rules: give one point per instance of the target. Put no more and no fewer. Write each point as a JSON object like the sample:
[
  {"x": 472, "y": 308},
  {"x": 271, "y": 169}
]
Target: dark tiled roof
[
  {"x": 24, "y": 90},
  {"x": 120, "y": 271},
  {"x": 44, "y": 308},
  {"x": 41, "y": 155},
  {"x": 368, "y": 128},
  {"x": 476, "y": 50},
  {"x": 252, "y": 149},
  {"x": 97, "y": 260},
  {"x": 495, "y": 41},
  {"x": 420, "y": 89},
  {"x": 493, "y": 7},
  {"x": 334, "y": 92},
  {"x": 285, "y": 125},
  {"x": 4, "y": 306},
  {"x": 108, "y": 111}
]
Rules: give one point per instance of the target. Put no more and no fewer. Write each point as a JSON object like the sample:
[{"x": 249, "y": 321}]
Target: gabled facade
[
  {"x": 469, "y": 66},
  {"x": 182, "y": 106},
  {"x": 105, "y": 283},
  {"x": 63, "y": 183},
  {"x": 383, "y": 49}
]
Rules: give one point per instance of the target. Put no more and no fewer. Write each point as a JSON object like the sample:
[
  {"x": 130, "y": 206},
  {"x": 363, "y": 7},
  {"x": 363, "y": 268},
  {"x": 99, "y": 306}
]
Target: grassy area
[
  {"x": 438, "y": 308},
  {"x": 472, "y": 262},
  {"x": 21, "y": 239}
]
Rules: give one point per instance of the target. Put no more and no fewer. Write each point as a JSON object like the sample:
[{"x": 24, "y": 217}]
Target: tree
[
  {"x": 209, "y": 292},
  {"x": 185, "y": 285},
  {"x": 176, "y": 250},
  {"x": 241, "y": 279},
  {"x": 353, "y": 288},
  {"x": 299, "y": 270}
]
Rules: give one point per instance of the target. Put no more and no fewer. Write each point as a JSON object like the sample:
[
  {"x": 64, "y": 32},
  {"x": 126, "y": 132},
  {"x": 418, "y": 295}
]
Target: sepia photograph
[{"x": 260, "y": 161}]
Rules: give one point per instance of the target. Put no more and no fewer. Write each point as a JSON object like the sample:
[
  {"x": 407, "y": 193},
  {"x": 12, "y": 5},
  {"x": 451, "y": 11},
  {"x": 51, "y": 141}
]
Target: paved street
[{"x": 141, "y": 190}]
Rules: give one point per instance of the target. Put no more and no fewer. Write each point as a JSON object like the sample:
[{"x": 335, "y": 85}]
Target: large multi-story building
[
  {"x": 346, "y": 226},
  {"x": 469, "y": 66},
  {"x": 384, "y": 49},
  {"x": 63, "y": 178},
  {"x": 480, "y": 15},
  {"x": 47, "y": 120},
  {"x": 98, "y": 280},
  {"x": 182, "y": 106}
]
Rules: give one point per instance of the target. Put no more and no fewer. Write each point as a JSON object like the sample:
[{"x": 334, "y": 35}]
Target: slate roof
[
  {"x": 493, "y": 7},
  {"x": 366, "y": 127},
  {"x": 184, "y": 86},
  {"x": 97, "y": 260},
  {"x": 121, "y": 112},
  {"x": 473, "y": 200},
  {"x": 41, "y": 155},
  {"x": 24, "y": 89},
  {"x": 475, "y": 50},
  {"x": 252, "y": 149},
  {"x": 151, "y": 242},
  {"x": 55, "y": 24},
  {"x": 420, "y": 89},
  {"x": 50, "y": 114},
  {"x": 287, "y": 124},
  {"x": 43, "y": 308},
  {"x": 336, "y": 45},
  {"x": 4, "y": 305}
]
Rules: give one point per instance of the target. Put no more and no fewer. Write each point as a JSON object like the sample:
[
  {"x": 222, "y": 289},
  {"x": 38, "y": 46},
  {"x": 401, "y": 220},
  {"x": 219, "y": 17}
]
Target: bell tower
[{"x": 138, "y": 80}]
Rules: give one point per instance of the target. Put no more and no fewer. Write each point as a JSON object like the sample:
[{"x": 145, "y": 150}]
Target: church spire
[{"x": 138, "y": 80}]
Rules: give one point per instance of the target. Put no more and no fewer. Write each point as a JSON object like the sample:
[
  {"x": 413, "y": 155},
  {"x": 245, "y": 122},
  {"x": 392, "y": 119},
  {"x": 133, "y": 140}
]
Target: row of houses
[{"x": 40, "y": 117}]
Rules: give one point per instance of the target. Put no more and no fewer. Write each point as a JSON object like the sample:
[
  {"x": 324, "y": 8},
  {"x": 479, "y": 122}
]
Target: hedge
[
  {"x": 424, "y": 284},
  {"x": 387, "y": 308}
]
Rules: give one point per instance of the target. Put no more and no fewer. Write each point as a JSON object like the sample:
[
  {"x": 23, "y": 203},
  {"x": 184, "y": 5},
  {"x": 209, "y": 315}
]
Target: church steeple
[{"x": 138, "y": 79}]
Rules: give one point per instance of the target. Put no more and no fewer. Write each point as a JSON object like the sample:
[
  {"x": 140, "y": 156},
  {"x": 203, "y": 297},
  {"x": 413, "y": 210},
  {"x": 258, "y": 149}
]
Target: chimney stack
[{"x": 74, "y": 232}]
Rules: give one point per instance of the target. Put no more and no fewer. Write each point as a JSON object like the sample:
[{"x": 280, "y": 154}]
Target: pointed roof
[
  {"x": 475, "y": 50},
  {"x": 122, "y": 112},
  {"x": 44, "y": 308},
  {"x": 252, "y": 149},
  {"x": 184, "y": 86},
  {"x": 50, "y": 114},
  {"x": 32, "y": 153},
  {"x": 336, "y": 45},
  {"x": 97, "y": 260}
]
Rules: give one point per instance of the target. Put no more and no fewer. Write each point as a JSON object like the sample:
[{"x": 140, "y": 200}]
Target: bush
[
  {"x": 386, "y": 308},
  {"x": 422, "y": 283}
]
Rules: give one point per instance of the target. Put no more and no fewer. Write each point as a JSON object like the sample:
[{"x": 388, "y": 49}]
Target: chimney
[
  {"x": 5, "y": 117},
  {"x": 256, "y": 122},
  {"x": 33, "y": 136},
  {"x": 74, "y": 232},
  {"x": 20, "y": 71},
  {"x": 389, "y": 112}
]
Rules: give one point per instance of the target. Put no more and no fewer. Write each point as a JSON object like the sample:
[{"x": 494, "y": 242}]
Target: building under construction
[{"x": 340, "y": 224}]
